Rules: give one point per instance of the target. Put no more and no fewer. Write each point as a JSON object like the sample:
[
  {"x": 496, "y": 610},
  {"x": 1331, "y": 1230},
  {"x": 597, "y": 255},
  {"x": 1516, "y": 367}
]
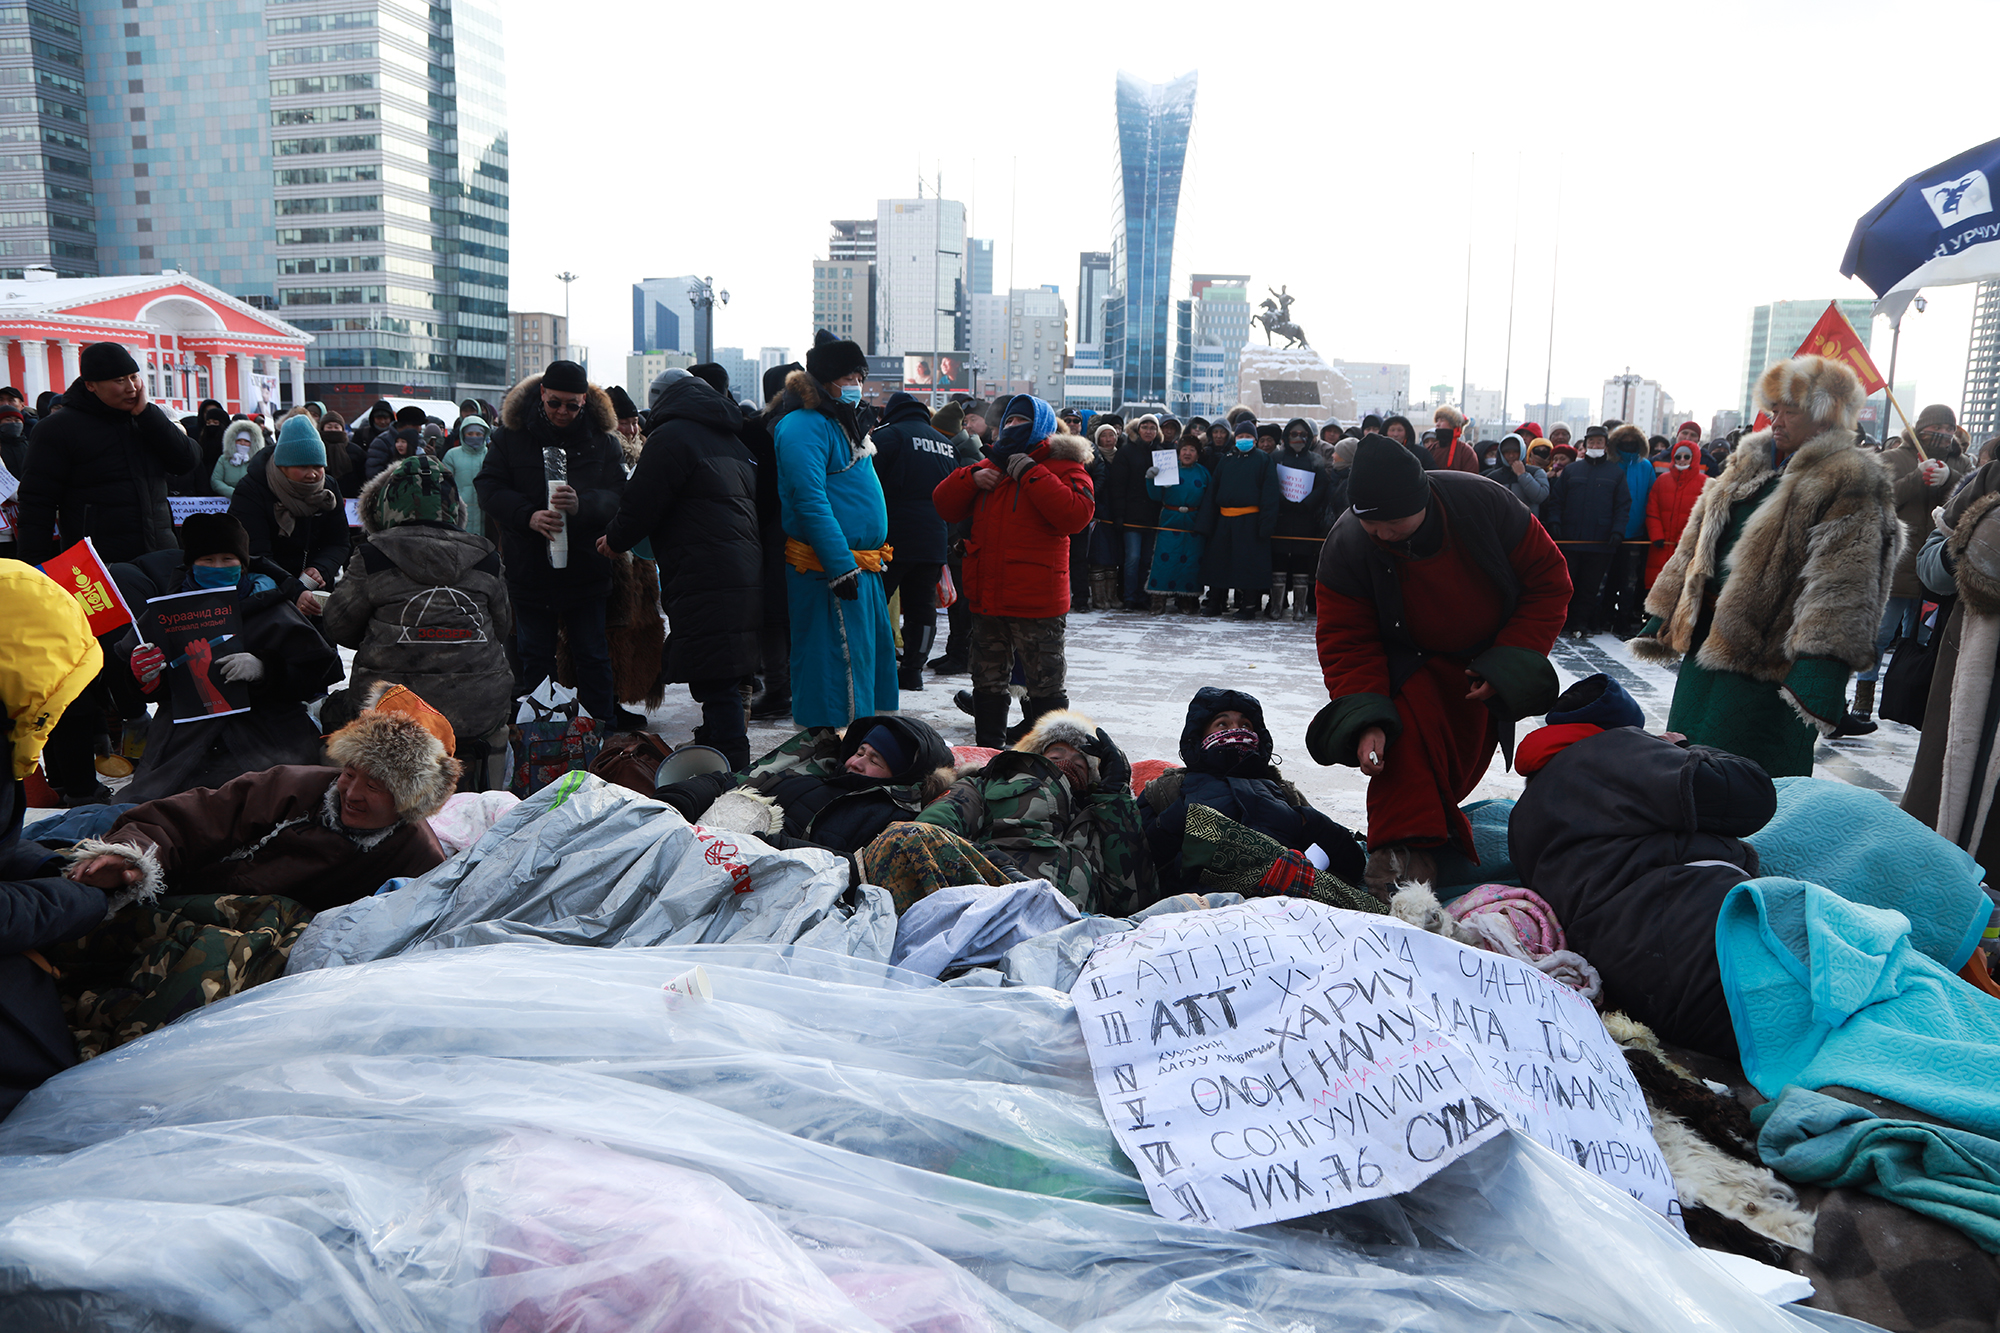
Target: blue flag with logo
[{"x": 1937, "y": 228}]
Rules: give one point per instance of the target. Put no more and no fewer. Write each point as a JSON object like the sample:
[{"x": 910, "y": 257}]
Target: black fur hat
[{"x": 831, "y": 358}]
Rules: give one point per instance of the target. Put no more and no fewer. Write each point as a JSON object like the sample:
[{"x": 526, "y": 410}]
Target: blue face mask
[
  {"x": 217, "y": 576},
  {"x": 850, "y": 394},
  {"x": 1245, "y": 446}
]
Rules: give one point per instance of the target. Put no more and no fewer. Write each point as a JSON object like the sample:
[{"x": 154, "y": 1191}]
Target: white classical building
[{"x": 193, "y": 341}]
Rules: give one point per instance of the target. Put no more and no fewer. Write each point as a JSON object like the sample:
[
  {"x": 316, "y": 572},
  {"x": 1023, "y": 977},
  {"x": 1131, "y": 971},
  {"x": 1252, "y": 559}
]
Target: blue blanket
[
  {"x": 1865, "y": 849},
  {"x": 1826, "y": 991}
]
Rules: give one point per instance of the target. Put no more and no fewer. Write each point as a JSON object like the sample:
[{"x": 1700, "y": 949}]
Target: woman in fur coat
[{"x": 1774, "y": 592}]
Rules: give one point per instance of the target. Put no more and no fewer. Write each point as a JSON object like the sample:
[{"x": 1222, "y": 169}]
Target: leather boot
[
  {"x": 1031, "y": 713},
  {"x": 1301, "y": 586},
  {"x": 1860, "y": 719},
  {"x": 989, "y": 720},
  {"x": 910, "y": 675},
  {"x": 1276, "y": 610},
  {"x": 1157, "y": 603}
]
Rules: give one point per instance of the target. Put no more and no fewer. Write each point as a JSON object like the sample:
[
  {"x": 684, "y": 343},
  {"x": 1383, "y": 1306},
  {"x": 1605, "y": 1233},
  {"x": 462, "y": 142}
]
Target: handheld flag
[
  {"x": 82, "y": 574},
  {"x": 1835, "y": 339},
  {"x": 1937, "y": 228}
]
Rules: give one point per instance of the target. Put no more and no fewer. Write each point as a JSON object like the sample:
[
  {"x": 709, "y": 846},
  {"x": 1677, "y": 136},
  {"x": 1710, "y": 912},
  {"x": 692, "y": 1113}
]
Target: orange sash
[{"x": 800, "y": 556}]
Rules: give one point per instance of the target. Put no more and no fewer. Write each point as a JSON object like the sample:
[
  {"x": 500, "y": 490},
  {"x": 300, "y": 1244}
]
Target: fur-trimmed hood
[
  {"x": 1061, "y": 725},
  {"x": 517, "y": 410},
  {"x": 244, "y": 427},
  {"x": 803, "y": 393}
]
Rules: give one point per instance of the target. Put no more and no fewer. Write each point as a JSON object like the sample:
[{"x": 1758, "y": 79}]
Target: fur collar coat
[{"x": 1809, "y": 574}]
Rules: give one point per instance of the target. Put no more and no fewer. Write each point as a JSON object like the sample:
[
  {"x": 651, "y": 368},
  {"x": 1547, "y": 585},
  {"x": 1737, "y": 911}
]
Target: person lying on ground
[
  {"x": 1057, "y": 806},
  {"x": 317, "y": 835},
  {"x": 825, "y": 787},
  {"x": 1226, "y": 750}
]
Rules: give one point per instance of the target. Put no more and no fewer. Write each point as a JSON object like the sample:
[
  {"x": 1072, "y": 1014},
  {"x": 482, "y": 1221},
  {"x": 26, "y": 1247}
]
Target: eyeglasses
[{"x": 561, "y": 405}]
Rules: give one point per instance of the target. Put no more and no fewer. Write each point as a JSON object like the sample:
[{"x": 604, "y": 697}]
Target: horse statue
[{"x": 1277, "y": 319}]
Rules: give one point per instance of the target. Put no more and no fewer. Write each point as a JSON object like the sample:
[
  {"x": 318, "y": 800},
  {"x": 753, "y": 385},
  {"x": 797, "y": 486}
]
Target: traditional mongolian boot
[
  {"x": 1301, "y": 589},
  {"x": 1276, "y": 610}
]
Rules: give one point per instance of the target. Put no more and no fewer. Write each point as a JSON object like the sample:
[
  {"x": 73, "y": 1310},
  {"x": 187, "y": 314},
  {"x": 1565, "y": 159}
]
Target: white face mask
[
  {"x": 1681, "y": 464},
  {"x": 1593, "y": 453}
]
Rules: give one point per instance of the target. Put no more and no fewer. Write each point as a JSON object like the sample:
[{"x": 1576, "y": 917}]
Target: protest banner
[
  {"x": 1168, "y": 461},
  {"x": 1280, "y": 1058},
  {"x": 192, "y": 629}
]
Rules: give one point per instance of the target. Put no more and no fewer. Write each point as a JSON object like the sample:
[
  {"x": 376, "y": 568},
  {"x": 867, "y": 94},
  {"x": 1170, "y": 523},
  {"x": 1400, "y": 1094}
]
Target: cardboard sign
[
  {"x": 1295, "y": 484},
  {"x": 193, "y": 629},
  {"x": 1279, "y": 1058},
  {"x": 1168, "y": 461},
  {"x": 82, "y": 574}
]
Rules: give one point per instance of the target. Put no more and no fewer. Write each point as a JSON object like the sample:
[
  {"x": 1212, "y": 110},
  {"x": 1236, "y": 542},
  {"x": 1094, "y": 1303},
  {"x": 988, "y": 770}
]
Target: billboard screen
[{"x": 939, "y": 372}]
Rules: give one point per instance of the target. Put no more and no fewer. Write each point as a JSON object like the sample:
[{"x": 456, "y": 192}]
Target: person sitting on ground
[
  {"x": 288, "y": 511},
  {"x": 425, "y": 606},
  {"x": 1229, "y": 768},
  {"x": 282, "y": 661},
  {"x": 404, "y": 437},
  {"x": 1057, "y": 806},
  {"x": 1634, "y": 841},
  {"x": 825, "y": 787}
]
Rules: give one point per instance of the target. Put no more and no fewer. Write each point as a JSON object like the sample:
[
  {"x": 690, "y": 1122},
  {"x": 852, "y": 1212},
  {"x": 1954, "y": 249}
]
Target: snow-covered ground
[{"x": 1135, "y": 673}]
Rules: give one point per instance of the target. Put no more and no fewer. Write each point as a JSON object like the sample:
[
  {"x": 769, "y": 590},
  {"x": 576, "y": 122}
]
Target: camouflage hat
[{"x": 417, "y": 489}]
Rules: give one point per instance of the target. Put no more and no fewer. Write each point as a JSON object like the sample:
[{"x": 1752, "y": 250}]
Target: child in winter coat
[
  {"x": 241, "y": 440},
  {"x": 463, "y": 460}
]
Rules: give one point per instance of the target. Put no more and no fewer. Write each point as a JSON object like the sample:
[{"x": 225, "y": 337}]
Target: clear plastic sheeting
[
  {"x": 522, "y": 1137},
  {"x": 584, "y": 861}
]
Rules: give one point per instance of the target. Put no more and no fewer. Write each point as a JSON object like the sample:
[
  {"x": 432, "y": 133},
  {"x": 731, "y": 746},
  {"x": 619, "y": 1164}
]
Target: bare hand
[
  {"x": 1482, "y": 688},
  {"x": 563, "y": 497},
  {"x": 1373, "y": 751},
  {"x": 313, "y": 579},
  {"x": 1520, "y": 468},
  {"x": 105, "y": 872},
  {"x": 986, "y": 478},
  {"x": 308, "y": 604},
  {"x": 546, "y": 521},
  {"x": 604, "y": 547}
]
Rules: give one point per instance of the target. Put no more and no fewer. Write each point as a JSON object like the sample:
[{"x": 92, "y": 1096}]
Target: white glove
[
  {"x": 1152, "y": 473},
  {"x": 1933, "y": 471},
  {"x": 240, "y": 666}
]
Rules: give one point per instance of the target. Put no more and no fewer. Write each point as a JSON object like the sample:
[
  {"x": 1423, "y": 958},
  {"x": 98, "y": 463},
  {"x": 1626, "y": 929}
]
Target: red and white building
[{"x": 193, "y": 341}]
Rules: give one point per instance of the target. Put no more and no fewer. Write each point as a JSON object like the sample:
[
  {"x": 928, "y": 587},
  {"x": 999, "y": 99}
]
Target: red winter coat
[
  {"x": 1017, "y": 550},
  {"x": 1668, "y": 505}
]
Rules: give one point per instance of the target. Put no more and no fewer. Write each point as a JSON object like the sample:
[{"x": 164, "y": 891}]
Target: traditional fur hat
[
  {"x": 1824, "y": 390},
  {"x": 401, "y": 753},
  {"x": 1065, "y": 726},
  {"x": 831, "y": 357},
  {"x": 1450, "y": 416},
  {"x": 1629, "y": 439}
]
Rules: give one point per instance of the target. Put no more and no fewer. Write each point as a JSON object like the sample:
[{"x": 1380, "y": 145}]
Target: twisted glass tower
[{"x": 1154, "y": 120}]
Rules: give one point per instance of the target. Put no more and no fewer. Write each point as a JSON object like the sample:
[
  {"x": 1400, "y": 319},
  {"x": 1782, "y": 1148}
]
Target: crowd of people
[{"x": 764, "y": 548}]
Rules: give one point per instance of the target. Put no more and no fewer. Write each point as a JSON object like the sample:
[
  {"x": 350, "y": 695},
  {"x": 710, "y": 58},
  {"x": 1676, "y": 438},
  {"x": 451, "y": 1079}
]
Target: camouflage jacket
[{"x": 1021, "y": 810}]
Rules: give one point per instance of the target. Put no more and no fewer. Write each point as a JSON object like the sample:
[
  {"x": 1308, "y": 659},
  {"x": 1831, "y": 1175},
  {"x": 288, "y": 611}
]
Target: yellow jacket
[{"x": 47, "y": 656}]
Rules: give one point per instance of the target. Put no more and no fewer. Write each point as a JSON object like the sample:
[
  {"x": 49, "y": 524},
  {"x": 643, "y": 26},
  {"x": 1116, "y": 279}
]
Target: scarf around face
[{"x": 296, "y": 500}]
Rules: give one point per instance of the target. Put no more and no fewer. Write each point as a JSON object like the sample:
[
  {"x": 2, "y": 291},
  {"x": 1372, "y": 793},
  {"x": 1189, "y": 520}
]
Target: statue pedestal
[{"x": 1279, "y": 383}]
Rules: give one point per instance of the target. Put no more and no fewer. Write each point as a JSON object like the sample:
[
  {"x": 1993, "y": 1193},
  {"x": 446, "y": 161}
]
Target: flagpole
[
  {"x": 1889, "y": 387},
  {"x": 1465, "y": 343}
]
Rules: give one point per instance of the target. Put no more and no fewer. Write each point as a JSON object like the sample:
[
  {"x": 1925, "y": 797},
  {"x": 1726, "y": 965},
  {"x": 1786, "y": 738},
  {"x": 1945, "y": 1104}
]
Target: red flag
[
  {"x": 1763, "y": 420},
  {"x": 79, "y": 570},
  {"x": 1835, "y": 339}
]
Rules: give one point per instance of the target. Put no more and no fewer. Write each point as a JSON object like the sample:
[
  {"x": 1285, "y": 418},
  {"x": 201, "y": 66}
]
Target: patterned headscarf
[{"x": 417, "y": 489}]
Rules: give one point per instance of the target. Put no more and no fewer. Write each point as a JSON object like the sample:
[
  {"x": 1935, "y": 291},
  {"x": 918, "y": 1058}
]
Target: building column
[
  {"x": 72, "y": 366},
  {"x": 295, "y": 375},
  {"x": 7, "y": 365},
  {"x": 218, "y": 379},
  {"x": 245, "y": 367},
  {"x": 34, "y": 368}
]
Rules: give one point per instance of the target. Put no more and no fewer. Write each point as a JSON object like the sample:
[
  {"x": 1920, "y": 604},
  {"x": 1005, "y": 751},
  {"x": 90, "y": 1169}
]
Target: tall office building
[
  {"x": 1979, "y": 409},
  {"x": 1642, "y": 402},
  {"x": 347, "y": 167},
  {"x": 664, "y": 319},
  {"x": 842, "y": 303},
  {"x": 535, "y": 338},
  {"x": 1154, "y": 122},
  {"x": 919, "y": 262},
  {"x": 979, "y": 267},
  {"x": 45, "y": 176},
  {"x": 1380, "y": 389},
  {"x": 1777, "y": 329},
  {"x": 853, "y": 238},
  {"x": 1093, "y": 282},
  {"x": 1222, "y": 317}
]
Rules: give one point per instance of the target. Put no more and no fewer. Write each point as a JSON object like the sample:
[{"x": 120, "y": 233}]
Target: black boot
[
  {"x": 1031, "y": 713},
  {"x": 967, "y": 702},
  {"x": 775, "y": 699},
  {"x": 989, "y": 719},
  {"x": 910, "y": 675}
]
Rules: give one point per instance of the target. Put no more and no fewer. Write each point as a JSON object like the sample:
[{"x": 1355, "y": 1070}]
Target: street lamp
[
  {"x": 565, "y": 278},
  {"x": 703, "y": 297}
]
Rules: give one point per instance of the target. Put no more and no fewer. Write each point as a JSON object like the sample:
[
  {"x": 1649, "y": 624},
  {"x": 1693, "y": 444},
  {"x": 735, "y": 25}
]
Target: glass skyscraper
[
  {"x": 1154, "y": 121},
  {"x": 341, "y": 162},
  {"x": 46, "y": 212}
]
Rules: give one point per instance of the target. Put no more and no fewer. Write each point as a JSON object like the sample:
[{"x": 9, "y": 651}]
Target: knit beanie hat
[
  {"x": 621, "y": 402},
  {"x": 214, "y": 534},
  {"x": 566, "y": 377},
  {"x": 299, "y": 444},
  {"x": 884, "y": 742},
  {"x": 1386, "y": 482},
  {"x": 713, "y": 375},
  {"x": 1936, "y": 417},
  {"x": 1599, "y": 700},
  {"x": 948, "y": 420},
  {"x": 1271, "y": 430},
  {"x": 416, "y": 489},
  {"x": 831, "y": 358},
  {"x": 106, "y": 361}
]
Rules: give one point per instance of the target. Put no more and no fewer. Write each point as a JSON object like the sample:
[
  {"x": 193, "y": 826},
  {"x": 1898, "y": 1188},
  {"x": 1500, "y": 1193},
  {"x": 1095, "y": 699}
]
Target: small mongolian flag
[
  {"x": 79, "y": 570},
  {"x": 1835, "y": 339}
]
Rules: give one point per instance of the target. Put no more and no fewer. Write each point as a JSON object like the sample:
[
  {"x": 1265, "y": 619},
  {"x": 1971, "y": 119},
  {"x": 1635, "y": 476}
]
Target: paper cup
[{"x": 691, "y": 985}]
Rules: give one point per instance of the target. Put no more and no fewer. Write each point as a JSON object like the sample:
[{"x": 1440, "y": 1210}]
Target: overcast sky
[{"x": 1691, "y": 160}]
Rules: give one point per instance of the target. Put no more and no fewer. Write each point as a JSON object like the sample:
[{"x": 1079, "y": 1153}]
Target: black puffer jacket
[
  {"x": 1244, "y": 787},
  {"x": 911, "y": 459},
  {"x": 1588, "y": 503},
  {"x": 694, "y": 494},
  {"x": 1608, "y": 832},
  {"x": 1308, "y": 517},
  {"x": 96, "y": 472},
  {"x": 318, "y": 541},
  {"x": 513, "y": 487},
  {"x": 1128, "y": 481}
]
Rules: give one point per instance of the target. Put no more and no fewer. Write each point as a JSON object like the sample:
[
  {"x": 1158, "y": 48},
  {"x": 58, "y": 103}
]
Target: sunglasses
[{"x": 561, "y": 405}]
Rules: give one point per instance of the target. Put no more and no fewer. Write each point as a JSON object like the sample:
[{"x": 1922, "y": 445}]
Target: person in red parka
[
  {"x": 1023, "y": 504},
  {"x": 1670, "y": 502}
]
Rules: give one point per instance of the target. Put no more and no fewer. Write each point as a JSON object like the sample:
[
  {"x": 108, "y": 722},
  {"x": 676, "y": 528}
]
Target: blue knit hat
[
  {"x": 299, "y": 444},
  {"x": 1600, "y": 701}
]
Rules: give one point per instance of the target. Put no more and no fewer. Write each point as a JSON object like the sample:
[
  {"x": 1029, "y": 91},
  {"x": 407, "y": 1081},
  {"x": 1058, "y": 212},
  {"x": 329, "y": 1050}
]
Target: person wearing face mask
[
  {"x": 1239, "y": 512},
  {"x": 1022, "y": 506},
  {"x": 281, "y": 659},
  {"x": 1302, "y": 523},
  {"x": 289, "y": 512},
  {"x": 1528, "y": 482},
  {"x": 836, "y": 522},
  {"x": 212, "y": 420},
  {"x": 1778, "y": 584},
  {"x": 13, "y": 457},
  {"x": 464, "y": 460},
  {"x": 1228, "y": 766},
  {"x": 1669, "y": 503},
  {"x": 1448, "y": 448},
  {"x": 1439, "y": 598},
  {"x": 1587, "y": 511},
  {"x": 240, "y": 440}
]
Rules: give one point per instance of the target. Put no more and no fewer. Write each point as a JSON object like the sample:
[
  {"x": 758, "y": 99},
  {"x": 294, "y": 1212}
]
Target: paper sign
[
  {"x": 191, "y": 628},
  {"x": 183, "y": 505},
  {"x": 83, "y": 575},
  {"x": 9, "y": 483},
  {"x": 1280, "y": 1057},
  {"x": 353, "y": 513},
  {"x": 1295, "y": 484},
  {"x": 1168, "y": 461}
]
